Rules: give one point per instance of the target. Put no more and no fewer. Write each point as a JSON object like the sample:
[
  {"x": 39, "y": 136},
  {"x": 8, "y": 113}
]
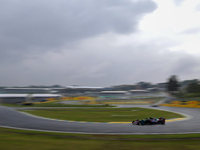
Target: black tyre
[{"x": 138, "y": 123}]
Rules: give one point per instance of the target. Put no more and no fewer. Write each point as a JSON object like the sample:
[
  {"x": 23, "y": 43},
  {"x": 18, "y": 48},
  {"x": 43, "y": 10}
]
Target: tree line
[{"x": 187, "y": 88}]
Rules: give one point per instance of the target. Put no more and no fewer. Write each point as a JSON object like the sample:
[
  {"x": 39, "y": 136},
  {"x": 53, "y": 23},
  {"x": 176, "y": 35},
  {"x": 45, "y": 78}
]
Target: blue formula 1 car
[{"x": 149, "y": 121}]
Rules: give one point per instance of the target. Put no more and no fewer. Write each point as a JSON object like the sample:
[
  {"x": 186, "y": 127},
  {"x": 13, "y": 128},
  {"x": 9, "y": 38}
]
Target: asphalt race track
[{"x": 11, "y": 118}]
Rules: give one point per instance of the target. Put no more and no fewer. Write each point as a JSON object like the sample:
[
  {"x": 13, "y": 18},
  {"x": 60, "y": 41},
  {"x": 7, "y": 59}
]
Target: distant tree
[
  {"x": 193, "y": 88},
  {"x": 172, "y": 84},
  {"x": 187, "y": 82}
]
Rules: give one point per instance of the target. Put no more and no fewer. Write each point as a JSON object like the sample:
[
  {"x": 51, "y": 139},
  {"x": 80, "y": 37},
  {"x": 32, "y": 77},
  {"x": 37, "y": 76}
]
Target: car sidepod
[{"x": 143, "y": 122}]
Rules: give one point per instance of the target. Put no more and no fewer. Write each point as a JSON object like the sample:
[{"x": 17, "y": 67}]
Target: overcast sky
[{"x": 98, "y": 42}]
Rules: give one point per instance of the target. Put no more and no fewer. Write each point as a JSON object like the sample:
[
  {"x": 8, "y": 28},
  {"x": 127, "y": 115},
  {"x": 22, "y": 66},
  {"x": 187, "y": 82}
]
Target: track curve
[{"x": 13, "y": 119}]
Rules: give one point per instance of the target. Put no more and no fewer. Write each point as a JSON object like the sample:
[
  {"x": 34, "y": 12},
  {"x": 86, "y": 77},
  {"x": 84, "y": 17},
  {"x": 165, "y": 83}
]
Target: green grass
[
  {"x": 18, "y": 139},
  {"x": 103, "y": 114}
]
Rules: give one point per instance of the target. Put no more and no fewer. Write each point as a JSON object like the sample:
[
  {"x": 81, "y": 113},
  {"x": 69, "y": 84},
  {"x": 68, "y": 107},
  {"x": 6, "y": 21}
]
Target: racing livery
[{"x": 149, "y": 121}]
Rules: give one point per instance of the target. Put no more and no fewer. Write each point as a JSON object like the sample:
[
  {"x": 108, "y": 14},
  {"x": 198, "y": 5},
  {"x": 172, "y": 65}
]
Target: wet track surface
[{"x": 11, "y": 118}]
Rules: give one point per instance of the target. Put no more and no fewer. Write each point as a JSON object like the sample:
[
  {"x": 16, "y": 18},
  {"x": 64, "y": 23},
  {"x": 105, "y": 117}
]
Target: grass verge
[
  {"x": 103, "y": 114},
  {"x": 18, "y": 139}
]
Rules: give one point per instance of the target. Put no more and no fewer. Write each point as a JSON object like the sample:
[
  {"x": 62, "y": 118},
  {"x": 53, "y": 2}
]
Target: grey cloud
[
  {"x": 112, "y": 66},
  {"x": 187, "y": 64},
  {"x": 197, "y": 8},
  {"x": 178, "y": 2},
  {"x": 52, "y": 25},
  {"x": 67, "y": 42},
  {"x": 195, "y": 30}
]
